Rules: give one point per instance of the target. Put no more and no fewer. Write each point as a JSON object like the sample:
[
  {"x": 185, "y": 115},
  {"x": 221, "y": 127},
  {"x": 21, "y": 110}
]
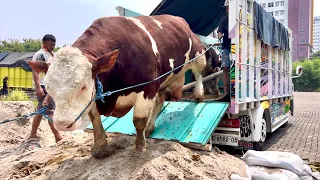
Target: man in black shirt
[
  {"x": 223, "y": 32},
  {"x": 4, "y": 90}
]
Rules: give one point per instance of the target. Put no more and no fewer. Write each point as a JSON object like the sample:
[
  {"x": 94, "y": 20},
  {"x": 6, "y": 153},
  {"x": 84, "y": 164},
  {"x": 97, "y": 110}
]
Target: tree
[
  {"x": 315, "y": 55},
  {"x": 309, "y": 81},
  {"x": 27, "y": 45}
]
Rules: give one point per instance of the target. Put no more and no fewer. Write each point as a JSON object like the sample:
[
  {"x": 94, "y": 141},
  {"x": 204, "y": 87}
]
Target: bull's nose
[{"x": 65, "y": 127}]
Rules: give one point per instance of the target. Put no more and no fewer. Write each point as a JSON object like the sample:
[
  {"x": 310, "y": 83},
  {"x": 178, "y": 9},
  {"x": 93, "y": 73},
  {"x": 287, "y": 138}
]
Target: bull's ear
[
  {"x": 39, "y": 66},
  {"x": 105, "y": 62}
]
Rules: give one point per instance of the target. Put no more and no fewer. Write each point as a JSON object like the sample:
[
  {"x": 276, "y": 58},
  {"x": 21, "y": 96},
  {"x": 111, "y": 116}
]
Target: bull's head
[{"x": 69, "y": 81}]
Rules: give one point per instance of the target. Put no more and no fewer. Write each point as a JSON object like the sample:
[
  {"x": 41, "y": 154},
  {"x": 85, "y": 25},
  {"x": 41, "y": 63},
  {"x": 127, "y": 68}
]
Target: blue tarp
[
  {"x": 269, "y": 30},
  {"x": 203, "y": 16}
]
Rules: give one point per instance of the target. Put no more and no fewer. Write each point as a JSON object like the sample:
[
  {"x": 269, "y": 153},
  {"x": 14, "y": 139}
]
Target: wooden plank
[
  {"x": 281, "y": 76},
  {"x": 258, "y": 69},
  {"x": 278, "y": 55},
  {"x": 207, "y": 147},
  {"x": 244, "y": 51},
  {"x": 270, "y": 84},
  {"x": 237, "y": 65},
  {"x": 251, "y": 58}
]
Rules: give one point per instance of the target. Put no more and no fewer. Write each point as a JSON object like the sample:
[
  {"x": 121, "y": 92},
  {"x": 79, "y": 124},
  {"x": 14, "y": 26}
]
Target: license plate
[{"x": 225, "y": 140}]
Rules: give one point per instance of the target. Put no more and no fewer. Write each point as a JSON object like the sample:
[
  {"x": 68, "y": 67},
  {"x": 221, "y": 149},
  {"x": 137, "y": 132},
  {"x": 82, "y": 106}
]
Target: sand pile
[{"x": 71, "y": 159}]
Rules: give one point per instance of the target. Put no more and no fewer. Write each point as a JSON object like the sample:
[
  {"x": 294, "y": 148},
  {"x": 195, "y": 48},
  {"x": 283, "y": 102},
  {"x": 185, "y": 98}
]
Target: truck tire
[
  {"x": 258, "y": 146},
  {"x": 291, "y": 107}
]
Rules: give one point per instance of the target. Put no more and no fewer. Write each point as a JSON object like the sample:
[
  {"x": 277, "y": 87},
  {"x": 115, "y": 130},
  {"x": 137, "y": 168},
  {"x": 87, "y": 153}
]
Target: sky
[{"x": 65, "y": 19}]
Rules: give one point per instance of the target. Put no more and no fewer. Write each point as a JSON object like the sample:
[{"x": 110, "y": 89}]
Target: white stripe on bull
[
  {"x": 158, "y": 22},
  {"x": 140, "y": 25}
]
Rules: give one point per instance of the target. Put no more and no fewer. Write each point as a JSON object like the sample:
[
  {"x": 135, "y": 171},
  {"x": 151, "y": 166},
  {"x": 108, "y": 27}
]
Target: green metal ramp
[{"x": 184, "y": 121}]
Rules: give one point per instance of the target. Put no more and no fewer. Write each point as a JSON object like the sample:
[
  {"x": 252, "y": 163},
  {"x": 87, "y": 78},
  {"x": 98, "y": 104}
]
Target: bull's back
[{"x": 148, "y": 41}]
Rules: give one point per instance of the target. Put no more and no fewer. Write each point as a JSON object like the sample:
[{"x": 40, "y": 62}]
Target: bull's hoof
[
  {"x": 140, "y": 147},
  {"x": 101, "y": 152},
  {"x": 199, "y": 99}
]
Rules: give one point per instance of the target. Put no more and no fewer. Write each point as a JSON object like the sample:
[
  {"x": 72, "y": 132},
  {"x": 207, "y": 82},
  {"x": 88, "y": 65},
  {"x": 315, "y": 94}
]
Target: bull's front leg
[
  {"x": 197, "y": 68},
  {"x": 99, "y": 149},
  {"x": 141, "y": 116}
]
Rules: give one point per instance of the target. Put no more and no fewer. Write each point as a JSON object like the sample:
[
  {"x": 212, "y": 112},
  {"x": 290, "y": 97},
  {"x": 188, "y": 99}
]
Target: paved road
[{"x": 302, "y": 134}]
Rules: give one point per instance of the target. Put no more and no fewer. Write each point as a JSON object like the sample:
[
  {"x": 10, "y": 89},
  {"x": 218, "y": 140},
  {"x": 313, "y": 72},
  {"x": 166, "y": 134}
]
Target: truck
[{"x": 261, "y": 89}]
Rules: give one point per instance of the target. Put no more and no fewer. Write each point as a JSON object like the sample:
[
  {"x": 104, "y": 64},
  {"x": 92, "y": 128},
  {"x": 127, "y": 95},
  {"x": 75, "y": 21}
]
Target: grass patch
[{"x": 16, "y": 95}]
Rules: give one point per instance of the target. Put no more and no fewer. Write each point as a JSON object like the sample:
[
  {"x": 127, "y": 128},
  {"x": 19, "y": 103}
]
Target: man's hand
[
  {"x": 39, "y": 92},
  {"x": 219, "y": 35},
  {"x": 46, "y": 100}
]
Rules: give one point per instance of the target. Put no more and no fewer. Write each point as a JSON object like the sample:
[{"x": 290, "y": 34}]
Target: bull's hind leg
[
  {"x": 99, "y": 149},
  {"x": 197, "y": 67},
  {"x": 142, "y": 111}
]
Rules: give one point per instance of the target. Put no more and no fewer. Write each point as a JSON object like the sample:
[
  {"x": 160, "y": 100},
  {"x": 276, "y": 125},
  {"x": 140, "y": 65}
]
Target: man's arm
[
  {"x": 36, "y": 79},
  {"x": 220, "y": 29}
]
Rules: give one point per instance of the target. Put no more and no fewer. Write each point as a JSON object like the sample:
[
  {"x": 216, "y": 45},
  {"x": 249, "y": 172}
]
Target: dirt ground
[{"x": 71, "y": 158}]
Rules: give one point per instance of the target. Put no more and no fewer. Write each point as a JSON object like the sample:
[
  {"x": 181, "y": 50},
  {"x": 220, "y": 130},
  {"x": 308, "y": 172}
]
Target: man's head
[
  {"x": 49, "y": 42},
  {"x": 226, "y": 5},
  {"x": 70, "y": 82}
]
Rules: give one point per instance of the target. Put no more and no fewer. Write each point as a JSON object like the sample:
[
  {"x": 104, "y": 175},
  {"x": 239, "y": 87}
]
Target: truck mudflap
[{"x": 184, "y": 122}]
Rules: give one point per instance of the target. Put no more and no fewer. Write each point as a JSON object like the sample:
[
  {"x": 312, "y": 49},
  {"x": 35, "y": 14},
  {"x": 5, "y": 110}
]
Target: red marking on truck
[{"x": 230, "y": 123}]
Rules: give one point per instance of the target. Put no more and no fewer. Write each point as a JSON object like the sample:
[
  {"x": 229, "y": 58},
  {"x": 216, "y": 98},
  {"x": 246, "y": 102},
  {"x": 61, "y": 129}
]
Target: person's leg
[
  {"x": 55, "y": 132},
  {"x": 225, "y": 64},
  {"x": 36, "y": 120},
  {"x": 51, "y": 107}
]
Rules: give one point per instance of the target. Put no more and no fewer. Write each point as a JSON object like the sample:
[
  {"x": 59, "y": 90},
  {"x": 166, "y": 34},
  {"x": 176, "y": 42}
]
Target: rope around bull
[
  {"x": 99, "y": 91},
  {"x": 99, "y": 87},
  {"x": 40, "y": 111}
]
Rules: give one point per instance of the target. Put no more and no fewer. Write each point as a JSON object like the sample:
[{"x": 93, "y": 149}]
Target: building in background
[
  {"x": 298, "y": 16},
  {"x": 316, "y": 34},
  {"x": 301, "y": 23}
]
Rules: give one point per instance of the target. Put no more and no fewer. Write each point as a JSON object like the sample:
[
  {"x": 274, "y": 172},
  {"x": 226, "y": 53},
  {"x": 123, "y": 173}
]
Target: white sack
[
  {"x": 275, "y": 159},
  {"x": 263, "y": 173}
]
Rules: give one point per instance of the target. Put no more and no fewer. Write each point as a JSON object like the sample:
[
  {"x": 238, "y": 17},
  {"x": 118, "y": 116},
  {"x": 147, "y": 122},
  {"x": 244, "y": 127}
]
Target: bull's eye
[{"x": 83, "y": 88}]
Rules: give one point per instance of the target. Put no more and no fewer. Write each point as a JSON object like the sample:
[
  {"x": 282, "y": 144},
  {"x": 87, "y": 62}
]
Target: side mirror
[{"x": 299, "y": 70}]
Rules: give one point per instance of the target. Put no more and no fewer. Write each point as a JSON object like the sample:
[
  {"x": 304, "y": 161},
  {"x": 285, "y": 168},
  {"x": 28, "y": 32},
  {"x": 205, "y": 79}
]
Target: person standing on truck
[
  {"x": 223, "y": 32},
  {"x": 44, "y": 54}
]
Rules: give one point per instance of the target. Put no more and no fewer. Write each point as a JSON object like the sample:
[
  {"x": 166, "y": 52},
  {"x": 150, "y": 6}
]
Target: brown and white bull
[
  {"x": 213, "y": 66},
  {"x": 123, "y": 51}
]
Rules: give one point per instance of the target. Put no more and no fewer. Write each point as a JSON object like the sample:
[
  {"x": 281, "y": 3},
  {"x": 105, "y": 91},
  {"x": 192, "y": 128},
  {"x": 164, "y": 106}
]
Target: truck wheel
[{"x": 258, "y": 146}]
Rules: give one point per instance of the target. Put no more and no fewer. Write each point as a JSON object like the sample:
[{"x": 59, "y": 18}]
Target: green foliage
[
  {"x": 16, "y": 95},
  {"x": 315, "y": 55},
  {"x": 309, "y": 81},
  {"x": 27, "y": 45}
]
